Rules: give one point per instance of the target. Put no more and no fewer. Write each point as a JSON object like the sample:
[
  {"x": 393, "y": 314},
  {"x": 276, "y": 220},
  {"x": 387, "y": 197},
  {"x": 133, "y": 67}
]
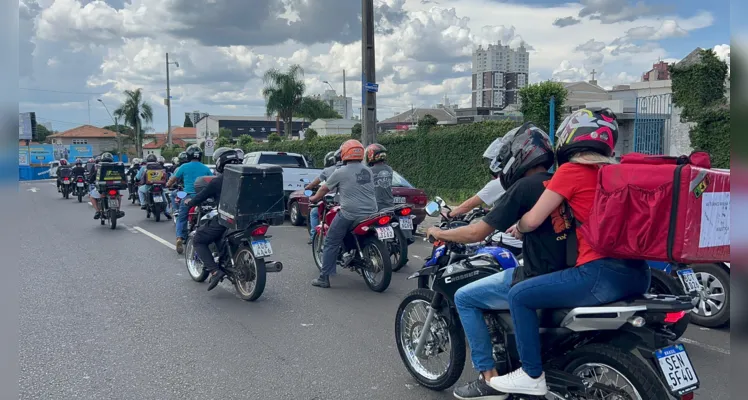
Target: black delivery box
[
  {"x": 111, "y": 175},
  {"x": 251, "y": 193}
]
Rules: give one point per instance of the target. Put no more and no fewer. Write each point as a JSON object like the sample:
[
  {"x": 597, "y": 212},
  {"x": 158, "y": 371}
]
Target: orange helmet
[{"x": 352, "y": 150}]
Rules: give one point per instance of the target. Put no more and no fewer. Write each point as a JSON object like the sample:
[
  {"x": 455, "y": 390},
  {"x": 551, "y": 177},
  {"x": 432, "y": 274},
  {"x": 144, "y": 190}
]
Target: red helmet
[
  {"x": 63, "y": 162},
  {"x": 375, "y": 152},
  {"x": 587, "y": 130},
  {"x": 91, "y": 161}
]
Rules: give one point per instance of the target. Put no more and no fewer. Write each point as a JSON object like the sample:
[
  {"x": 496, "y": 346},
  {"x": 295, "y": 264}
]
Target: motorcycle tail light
[
  {"x": 156, "y": 188},
  {"x": 406, "y": 211},
  {"x": 674, "y": 317},
  {"x": 384, "y": 220},
  {"x": 687, "y": 396},
  {"x": 67, "y": 179},
  {"x": 112, "y": 192},
  {"x": 260, "y": 230}
]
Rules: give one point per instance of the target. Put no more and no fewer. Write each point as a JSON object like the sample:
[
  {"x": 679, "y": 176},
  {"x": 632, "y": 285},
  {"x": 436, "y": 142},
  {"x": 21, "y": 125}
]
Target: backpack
[{"x": 660, "y": 208}]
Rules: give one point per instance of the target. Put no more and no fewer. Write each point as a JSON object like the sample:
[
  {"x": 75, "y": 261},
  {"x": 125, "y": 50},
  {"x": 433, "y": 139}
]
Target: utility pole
[
  {"x": 368, "y": 96},
  {"x": 345, "y": 99},
  {"x": 116, "y": 129},
  {"x": 168, "y": 100}
]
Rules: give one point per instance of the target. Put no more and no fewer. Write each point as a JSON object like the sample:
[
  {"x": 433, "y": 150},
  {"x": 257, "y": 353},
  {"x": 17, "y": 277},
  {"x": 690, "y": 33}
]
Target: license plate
[
  {"x": 399, "y": 200},
  {"x": 66, "y": 182},
  {"x": 385, "y": 232},
  {"x": 158, "y": 199},
  {"x": 689, "y": 281},
  {"x": 677, "y": 368},
  {"x": 262, "y": 248},
  {"x": 113, "y": 203},
  {"x": 80, "y": 184},
  {"x": 406, "y": 223}
]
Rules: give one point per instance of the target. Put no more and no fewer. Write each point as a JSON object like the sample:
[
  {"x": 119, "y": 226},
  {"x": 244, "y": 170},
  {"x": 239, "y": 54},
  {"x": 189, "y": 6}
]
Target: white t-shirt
[{"x": 491, "y": 192}]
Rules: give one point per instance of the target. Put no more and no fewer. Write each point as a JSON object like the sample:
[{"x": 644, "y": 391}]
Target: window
[
  {"x": 282, "y": 159},
  {"x": 80, "y": 141},
  {"x": 399, "y": 181}
]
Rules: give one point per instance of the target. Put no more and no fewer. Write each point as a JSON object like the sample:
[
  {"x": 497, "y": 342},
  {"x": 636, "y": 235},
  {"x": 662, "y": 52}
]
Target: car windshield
[
  {"x": 399, "y": 181},
  {"x": 283, "y": 160}
]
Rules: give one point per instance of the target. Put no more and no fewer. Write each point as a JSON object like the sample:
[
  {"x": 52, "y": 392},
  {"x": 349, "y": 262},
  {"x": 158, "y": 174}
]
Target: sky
[{"x": 74, "y": 52}]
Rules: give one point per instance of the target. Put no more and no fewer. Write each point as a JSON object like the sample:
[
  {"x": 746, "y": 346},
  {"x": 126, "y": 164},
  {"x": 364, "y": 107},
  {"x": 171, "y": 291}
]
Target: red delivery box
[{"x": 661, "y": 209}]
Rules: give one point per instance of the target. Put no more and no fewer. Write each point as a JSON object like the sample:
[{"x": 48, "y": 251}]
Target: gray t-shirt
[
  {"x": 383, "y": 185},
  {"x": 355, "y": 186},
  {"x": 327, "y": 172}
]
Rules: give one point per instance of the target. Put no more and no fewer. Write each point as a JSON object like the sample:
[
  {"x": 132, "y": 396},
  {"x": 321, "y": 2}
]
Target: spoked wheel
[
  {"x": 317, "y": 243},
  {"x": 251, "y": 274},
  {"x": 194, "y": 265},
  {"x": 377, "y": 270},
  {"x": 398, "y": 249},
  {"x": 443, "y": 358}
]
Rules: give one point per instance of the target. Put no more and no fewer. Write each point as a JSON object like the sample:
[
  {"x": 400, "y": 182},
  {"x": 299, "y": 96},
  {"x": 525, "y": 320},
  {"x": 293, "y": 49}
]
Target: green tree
[
  {"x": 356, "y": 131},
  {"x": 310, "y": 134},
  {"x": 426, "y": 123},
  {"x": 274, "y": 138},
  {"x": 135, "y": 112},
  {"x": 283, "y": 94},
  {"x": 225, "y": 133},
  {"x": 224, "y": 141},
  {"x": 313, "y": 109},
  {"x": 170, "y": 152},
  {"x": 535, "y": 103},
  {"x": 699, "y": 90},
  {"x": 188, "y": 122},
  {"x": 40, "y": 133},
  {"x": 245, "y": 141}
]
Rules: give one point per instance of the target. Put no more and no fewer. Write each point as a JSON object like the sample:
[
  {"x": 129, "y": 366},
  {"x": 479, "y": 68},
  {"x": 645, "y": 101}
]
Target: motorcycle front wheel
[
  {"x": 377, "y": 269},
  {"x": 194, "y": 265},
  {"x": 317, "y": 243},
  {"x": 443, "y": 360},
  {"x": 250, "y": 279}
]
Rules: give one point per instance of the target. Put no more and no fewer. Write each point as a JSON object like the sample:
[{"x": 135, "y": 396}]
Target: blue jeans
[
  {"x": 333, "y": 241},
  {"x": 313, "y": 221},
  {"x": 489, "y": 293},
  {"x": 184, "y": 210},
  {"x": 595, "y": 283},
  {"x": 173, "y": 201}
]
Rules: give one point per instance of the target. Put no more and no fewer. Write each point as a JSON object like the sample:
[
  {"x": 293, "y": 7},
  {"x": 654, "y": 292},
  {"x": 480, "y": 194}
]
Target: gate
[{"x": 652, "y": 123}]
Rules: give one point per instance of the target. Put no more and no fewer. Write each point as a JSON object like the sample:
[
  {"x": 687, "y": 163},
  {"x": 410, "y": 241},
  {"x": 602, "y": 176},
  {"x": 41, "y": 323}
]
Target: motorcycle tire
[
  {"x": 294, "y": 214},
  {"x": 379, "y": 247},
  {"x": 639, "y": 374},
  {"x": 66, "y": 194},
  {"x": 80, "y": 198},
  {"x": 400, "y": 245},
  {"x": 456, "y": 339},
  {"x": 113, "y": 219},
  {"x": 708, "y": 275},
  {"x": 662, "y": 283},
  {"x": 157, "y": 213},
  {"x": 258, "y": 270},
  {"x": 317, "y": 243},
  {"x": 189, "y": 255}
]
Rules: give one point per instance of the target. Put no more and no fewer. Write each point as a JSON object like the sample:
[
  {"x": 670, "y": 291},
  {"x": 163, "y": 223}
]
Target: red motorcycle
[{"x": 364, "y": 249}]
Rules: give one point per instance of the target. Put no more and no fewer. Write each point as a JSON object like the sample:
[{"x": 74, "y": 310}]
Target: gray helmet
[
  {"x": 330, "y": 159},
  {"x": 151, "y": 158}
]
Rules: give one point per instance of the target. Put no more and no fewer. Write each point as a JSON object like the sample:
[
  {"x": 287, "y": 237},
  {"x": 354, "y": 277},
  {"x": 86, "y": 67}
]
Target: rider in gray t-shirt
[{"x": 376, "y": 156}]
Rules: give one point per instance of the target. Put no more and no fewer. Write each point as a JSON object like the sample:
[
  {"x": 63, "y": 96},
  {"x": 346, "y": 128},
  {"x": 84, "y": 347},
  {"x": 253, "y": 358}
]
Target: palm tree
[
  {"x": 135, "y": 112},
  {"x": 283, "y": 93}
]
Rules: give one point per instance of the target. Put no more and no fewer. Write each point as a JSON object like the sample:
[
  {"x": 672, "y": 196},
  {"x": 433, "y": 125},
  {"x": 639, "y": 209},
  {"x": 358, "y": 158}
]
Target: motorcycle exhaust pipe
[{"x": 273, "y": 266}]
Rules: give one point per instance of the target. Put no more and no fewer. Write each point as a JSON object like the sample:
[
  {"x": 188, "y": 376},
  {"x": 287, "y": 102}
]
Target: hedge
[{"x": 447, "y": 161}]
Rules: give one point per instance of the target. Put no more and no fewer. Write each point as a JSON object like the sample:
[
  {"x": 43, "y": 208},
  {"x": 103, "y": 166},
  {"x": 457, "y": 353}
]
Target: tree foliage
[
  {"x": 426, "y": 123},
  {"x": 699, "y": 89},
  {"x": 135, "y": 112},
  {"x": 225, "y": 133},
  {"x": 283, "y": 94},
  {"x": 188, "y": 122},
  {"x": 244, "y": 140},
  {"x": 224, "y": 141},
  {"x": 310, "y": 134},
  {"x": 274, "y": 138},
  {"x": 41, "y": 133},
  {"x": 170, "y": 152},
  {"x": 356, "y": 131},
  {"x": 535, "y": 102},
  {"x": 313, "y": 109}
]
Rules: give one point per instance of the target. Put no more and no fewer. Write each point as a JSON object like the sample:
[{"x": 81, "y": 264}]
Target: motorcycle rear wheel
[
  {"x": 112, "y": 219},
  {"x": 157, "y": 213},
  {"x": 374, "y": 249},
  {"x": 80, "y": 198},
  {"x": 399, "y": 257},
  {"x": 254, "y": 272}
]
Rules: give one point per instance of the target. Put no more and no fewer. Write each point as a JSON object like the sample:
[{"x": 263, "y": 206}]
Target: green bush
[
  {"x": 448, "y": 162},
  {"x": 310, "y": 134},
  {"x": 274, "y": 138}
]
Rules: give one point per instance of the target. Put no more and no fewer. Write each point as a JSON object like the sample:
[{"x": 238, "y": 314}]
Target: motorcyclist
[
  {"x": 376, "y": 159},
  {"x": 178, "y": 162},
  {"x": 90, "y": 166},
  {"x": 212, "y": 231},
  {"x": 63, "y": 171},
  {"x": 330, "y": 167},
  {"x": 188, "y": 172},
  {"x": 355, "y": 184},
  {"x": 94, "y": 195},
  {"x": 78, "y": 169},
  {"x": 521, "y": 165},
  {"x": 140, "y": 177}
]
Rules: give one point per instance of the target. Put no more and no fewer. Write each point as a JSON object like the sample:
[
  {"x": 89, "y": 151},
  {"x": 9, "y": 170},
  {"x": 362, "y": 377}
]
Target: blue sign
[
  {"x": 39, "y": 154},
  {"x": 371, "y": 87}
]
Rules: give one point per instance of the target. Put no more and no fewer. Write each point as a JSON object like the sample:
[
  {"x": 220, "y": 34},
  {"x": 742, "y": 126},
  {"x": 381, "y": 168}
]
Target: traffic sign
[
  {"x": 371, "y": 87},
  {"x": 210, "y": 145}
]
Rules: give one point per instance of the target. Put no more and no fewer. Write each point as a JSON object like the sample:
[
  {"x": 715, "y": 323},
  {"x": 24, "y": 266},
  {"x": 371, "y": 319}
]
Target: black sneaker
[
  {"x": 478, "y": 389},
  {"x": 323, "y": 282},
  {"x": 215, "y": 279},
  {"x": 167, "y": 216},
  {"x": 97, "y": 215}
]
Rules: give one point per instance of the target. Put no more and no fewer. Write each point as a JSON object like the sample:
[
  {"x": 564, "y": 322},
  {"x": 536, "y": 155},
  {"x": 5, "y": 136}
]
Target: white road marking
[
  {"x": 705, "y": 346},
  {"x": 33, "y": 189},
  {"x": 156, "y": 238}
]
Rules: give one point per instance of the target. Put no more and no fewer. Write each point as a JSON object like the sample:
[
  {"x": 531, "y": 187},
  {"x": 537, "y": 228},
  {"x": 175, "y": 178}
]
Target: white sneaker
[{"x": 519, "y": 382}]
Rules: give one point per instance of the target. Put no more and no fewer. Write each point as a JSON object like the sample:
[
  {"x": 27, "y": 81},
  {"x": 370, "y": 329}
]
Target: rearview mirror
[
  {"x": 440, "y": 201},
  {"x": 433, "y": 208},
  {"x": 305, "y": 180},
  {"x": 181, "y": 194},
  {"x": 308, "y": 193}
]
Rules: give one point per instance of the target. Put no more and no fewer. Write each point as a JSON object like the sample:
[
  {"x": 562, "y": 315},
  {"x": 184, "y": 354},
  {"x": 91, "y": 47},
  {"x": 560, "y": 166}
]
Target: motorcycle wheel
[
  {"x": 65, "y": 194},
  {"x": 252, "y": 282},
  {"x": 294, "y": 214},
  {"x": 408, "y": 325},
  {"x": 589, "y": 361},
  {"x": 113, "y": 219},
  {"x": 80, "y": 198},
  {"x": 157, "y": 213},
  {"x": 662, "y": 283},
  {"x": 398, "y": 250},
  {"x": 194, "y": 266},
  {"x": 376, "y": 257},
  {"x": 317, "y": 250}
]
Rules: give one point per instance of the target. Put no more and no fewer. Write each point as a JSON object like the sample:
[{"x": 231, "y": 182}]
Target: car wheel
[{"x": 295, "y": 214}]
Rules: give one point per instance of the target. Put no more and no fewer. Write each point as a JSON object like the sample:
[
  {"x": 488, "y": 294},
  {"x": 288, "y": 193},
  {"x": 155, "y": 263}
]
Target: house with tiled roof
[
  {"x": 99, "y": 139},
  {"x": 180, "y": 136}
]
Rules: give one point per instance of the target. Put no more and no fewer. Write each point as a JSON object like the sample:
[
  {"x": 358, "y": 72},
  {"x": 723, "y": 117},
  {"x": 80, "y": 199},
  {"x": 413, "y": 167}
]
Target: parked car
[{"x": 402, "y": 190}]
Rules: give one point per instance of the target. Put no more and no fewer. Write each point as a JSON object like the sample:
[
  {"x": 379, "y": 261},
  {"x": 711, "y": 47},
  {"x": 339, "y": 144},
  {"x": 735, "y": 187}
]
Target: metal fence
[{"x": 652, "y": 123}]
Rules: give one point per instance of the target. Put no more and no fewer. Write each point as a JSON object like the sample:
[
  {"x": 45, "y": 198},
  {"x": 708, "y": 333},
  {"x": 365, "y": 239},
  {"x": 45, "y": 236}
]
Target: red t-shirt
[{"x": 576, "y": 183}]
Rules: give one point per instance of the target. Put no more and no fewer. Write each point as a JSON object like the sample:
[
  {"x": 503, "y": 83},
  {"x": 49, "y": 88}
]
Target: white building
[
  {"x": 326, "y": 127},
  {"x": 498, "y": 74},
  {"x": 341, "y": 105}
]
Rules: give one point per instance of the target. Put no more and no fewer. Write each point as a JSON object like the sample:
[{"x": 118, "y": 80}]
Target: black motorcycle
[
  {"x": 80, "y": 187},
  {"x": 241, "y": 254},
  {"x": 622, "y": 350},
  {"x": 402, "y": 225},
  {"x": 66, "y": 187},
  {"x": 109, "y": 205},
  {"x": 132, "y": 189},
  {"x": 156, "y": 201}
]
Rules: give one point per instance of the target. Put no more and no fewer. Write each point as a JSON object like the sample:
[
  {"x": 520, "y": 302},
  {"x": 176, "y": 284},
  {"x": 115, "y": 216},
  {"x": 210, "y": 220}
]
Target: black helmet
[
  {"x": 194, "y": 152},
  {"x": 78, "y": 162},
  {"x": 151, "y": 158},
  {"x": 520, "y": 150},
  {"x": 107, "y": 157},
  {"x": 587, "y": 130},
  {"x": 330, "y": 159},
  {"x": 183, "y": 157},
  {"x": 225, "y": 155},
  {"x": 338, "y": 156},
  {"x": 375, "y": 153}
]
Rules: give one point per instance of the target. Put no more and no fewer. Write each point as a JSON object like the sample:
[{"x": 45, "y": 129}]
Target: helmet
[
  {"x": 98, "y": 159},
  {"x": 330, "y": 159},
  {"x": 375, "y": 152},
  {"x": 338, "y": 158},
  {"x": 135, "y": 161},
  {"x": 352, "y": 150},
  {"x": 63, "y": 162},
  {"x": 91, "y": 161},
  {"x": 175, "y": 160},
  {"x": 520, "y": 150},
  {"x": 107, "y": 157},
  {"x": 182, "y": 158},
  {"x": 223, "y": 156},
  {"x": 151, "y": 158},
  {"x": 587, "y": 130},
  {"x": 194, "y": 152},
  {"x": 239, "y": 153},
  {"x": 161, "y": 160},
  {"x": 78, "y": 162}
]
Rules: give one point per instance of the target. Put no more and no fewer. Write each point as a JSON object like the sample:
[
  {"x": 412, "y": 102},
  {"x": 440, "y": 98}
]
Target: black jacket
[
  {"x": 92, "y": 174},
  {"x": 79, "y": 171},
  {"x": 213, "y": 190}
]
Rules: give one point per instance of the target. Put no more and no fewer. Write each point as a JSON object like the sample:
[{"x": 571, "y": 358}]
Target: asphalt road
[{"x": 113, "y": 315}]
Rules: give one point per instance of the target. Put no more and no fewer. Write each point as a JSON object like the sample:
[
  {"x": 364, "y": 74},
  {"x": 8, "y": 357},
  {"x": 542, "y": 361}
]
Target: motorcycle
[
  {"x": 132, "y": 189},
  {"x": 109, "y": 206},
  {"x": 631, "y": 339},
  {"x": 65, "y": 187},
  {"x": 80, "y": 187},
  {"x": 241, "y": 254},
  {"x": 364, "y": 250},
  {"x": 177, "y": 203},
  {"x": 156, "y": 201},
  {"x": 402, "y": 226}
]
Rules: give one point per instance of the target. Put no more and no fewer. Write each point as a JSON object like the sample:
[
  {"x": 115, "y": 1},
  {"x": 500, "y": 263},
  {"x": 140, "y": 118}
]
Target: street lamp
[
  {"x": 168, "y": 99},
  {"x": 116, "y": 128}
]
